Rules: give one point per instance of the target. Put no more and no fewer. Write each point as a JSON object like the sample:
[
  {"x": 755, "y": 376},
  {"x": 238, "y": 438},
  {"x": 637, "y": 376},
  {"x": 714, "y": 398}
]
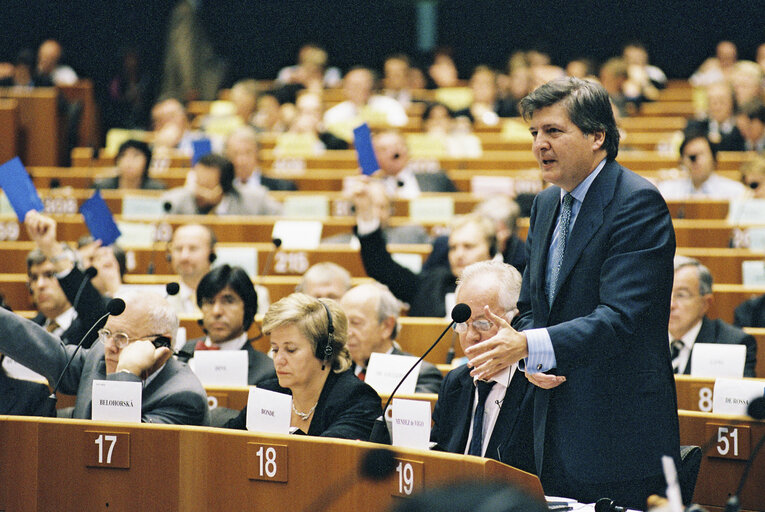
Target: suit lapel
[
  {"x": 547, "y": 213},
  {"x": 508, "y": 415},
  {"x": 461, "y": 418}
]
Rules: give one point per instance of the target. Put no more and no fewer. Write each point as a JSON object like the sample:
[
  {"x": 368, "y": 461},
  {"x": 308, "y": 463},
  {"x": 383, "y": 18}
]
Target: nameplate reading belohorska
[
  {"x": 117, "y": 401},
  {"x": 268, "y": 411}
]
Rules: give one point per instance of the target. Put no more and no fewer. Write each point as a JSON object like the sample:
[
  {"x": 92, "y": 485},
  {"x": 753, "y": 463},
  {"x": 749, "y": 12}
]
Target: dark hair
[
  {"x": 35, "y": 257},
  {"x": 119, "y": 253},
  {"x": 587, "y": 104},
  {"x": 140, "y": 146},
  {"x": 223, "y": 165},
  {"x": 692, "y": 135},
  {"x": 754, "y": 109},
  {"x": 237, "y": 279},
  {"x": 431, "y": 105}
]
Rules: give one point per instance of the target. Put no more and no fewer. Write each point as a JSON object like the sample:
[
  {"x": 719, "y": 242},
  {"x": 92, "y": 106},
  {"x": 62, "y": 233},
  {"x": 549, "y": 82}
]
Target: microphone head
[
  {"x": 172, "y": 288},
  {"x": 115, "y": 307},
  {"x": 461, "y": 313},
  {"x": 378, "y": 464},
  {"x": 756, "y": 408},
  {"x": 603, "y": 505},
  {"x": 167, "y": 206},
  {"x": 277, "y": 242},
  {"x": 91, "y": 272}
]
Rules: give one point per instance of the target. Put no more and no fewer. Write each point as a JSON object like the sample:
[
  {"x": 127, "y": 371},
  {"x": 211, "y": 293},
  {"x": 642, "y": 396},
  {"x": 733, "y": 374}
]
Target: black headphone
[{"x": 324, "y": 350}]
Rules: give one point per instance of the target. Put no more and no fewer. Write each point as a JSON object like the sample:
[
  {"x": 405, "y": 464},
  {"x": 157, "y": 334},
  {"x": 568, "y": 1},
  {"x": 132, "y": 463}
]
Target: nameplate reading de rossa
[
  {"x": 409, "y": 479},
  {"x": 267, "y": 462},
  {"x": 106, "y": 449},
  {"x": 730, "y": 441}
]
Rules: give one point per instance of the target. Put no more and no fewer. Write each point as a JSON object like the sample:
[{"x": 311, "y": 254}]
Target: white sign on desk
[
  {"x": 384, "y": 371},
  {"x": 411, "y": 423},
  {"x": 717, "y": 360},
  {"x": 221, "y": 367},
  {"x": 117, "y": 401},
  {"x": 268, "y": 411},
  {"x": 298, "y": 234},
  {"x": 732, "y": 396}
]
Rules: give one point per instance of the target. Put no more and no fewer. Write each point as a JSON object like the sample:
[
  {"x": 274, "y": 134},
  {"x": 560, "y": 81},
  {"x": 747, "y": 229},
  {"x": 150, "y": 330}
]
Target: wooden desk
[
  {"x": 39, "y": 130},
  {"x": 697, "y": 393},
  {"x": 719, "y": 474},
  {"x": 200, "y": 469},
  {"x": 9, "y": 127}
]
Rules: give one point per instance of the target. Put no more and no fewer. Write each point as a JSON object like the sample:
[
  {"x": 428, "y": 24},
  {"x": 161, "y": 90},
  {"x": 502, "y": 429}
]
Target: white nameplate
[
  {"x": 141, "y": 206},
  {"x": 268, "y": 411},
  {"x": 732, "y": 396},
  {"x": 411, "y": 423},
  {"x": 245, "y": 257},
  {"x": 306, "y": 207},
  {"x": 407, "y": 259},
  {"x": 717, "y": 360},
  {"x": 488, "y": 186},
  {"x": 117, "y": 401},
  {"x": 753, "y": 273},
  {"x": 221, "y": 367},
  {"x": 431, "y": 208},
  {"x": 298, "y": 234},
  {"x": 746, "y": 211},
  {"x": 386, "y": 370}
]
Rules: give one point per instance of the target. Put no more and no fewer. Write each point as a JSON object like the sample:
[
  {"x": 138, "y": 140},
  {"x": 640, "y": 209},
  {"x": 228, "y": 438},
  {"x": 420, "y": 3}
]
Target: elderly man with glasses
[{"x": 486, "y": 418}]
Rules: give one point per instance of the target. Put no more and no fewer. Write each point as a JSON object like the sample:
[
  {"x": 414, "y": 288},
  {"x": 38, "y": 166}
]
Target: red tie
[
  {"x": 362, "y": 374},
  {"x": 201, "y": 346}
]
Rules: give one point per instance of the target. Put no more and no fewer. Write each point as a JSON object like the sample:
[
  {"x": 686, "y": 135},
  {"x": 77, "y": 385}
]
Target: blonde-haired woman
[{"x": 312, "y": 364}]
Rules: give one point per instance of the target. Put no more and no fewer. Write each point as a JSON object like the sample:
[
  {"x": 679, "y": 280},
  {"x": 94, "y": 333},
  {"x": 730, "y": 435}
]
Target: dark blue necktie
[{"x": 476, "y": 441}]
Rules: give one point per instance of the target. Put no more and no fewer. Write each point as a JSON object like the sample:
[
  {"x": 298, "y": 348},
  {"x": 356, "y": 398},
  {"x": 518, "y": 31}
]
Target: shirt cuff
[
  {"x": 365, "y": 227},
  {"x": 541, "y": 354}
]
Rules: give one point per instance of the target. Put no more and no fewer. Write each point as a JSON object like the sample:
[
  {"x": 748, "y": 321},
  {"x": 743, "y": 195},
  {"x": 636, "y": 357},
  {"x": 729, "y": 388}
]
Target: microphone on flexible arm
[
  {"x": 166, "y": 207},
  {"x": 380, "y": 434},
  {"x": 450, "y": 352},
  {"x": 268, "y": 265},
  {"x": 755, "y": 410},
  {"x": 88, "y": 274},
  {"x": 115, "y": 307}
]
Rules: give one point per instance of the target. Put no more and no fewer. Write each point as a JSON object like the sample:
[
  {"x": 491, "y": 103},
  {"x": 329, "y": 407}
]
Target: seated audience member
[
  {"x": 192, "y": 253},
  {"x": 719, "y": 121},
  {"x": 131, "y": 348},
  {"x": 244, "y": 96},
  {"x": 487, "y": 107},
  {"x": 746, "y": 81},
  {"x": 325, "y": 280},
  {"x": 699, "y": 159},
  {"x": 613, "y": 76},
  {"x": 214, "y": 191},
  {"x": 688, "y": 323},
  {"x": 396, "y": 71},
  {"x": 309, "y": 111},
  {"x": 504, "y": 213},
  {"x": 49, "y": 64},
  {"x": 110, "y": 263},
  {"x": 717, "y": 68},
  {"x": 400, "y": 179},
  {"x": 752, "y": 125},
  {"x": 362, "y": 104},
  {"x": 228, "y": 302},
  {"x": 443, "y": 71},
  {"x": 23, "y": 74},
  {"x": 378, "y": 200},
  {"x": 643, "y": 79},
  {"x": 455, "y": 135},
  {"x": 490, "y": 419},
  {"x": 753, "y": 176},
  {"x": 133, "y": 160},
  {"x": 22, "y": 397},
  {"x": 313, "y": 365},
  {"x": 172, "y": 128},
  {"x": 429, "y": 293},
  {"x": 268, "y": 116},
  {"x": 372, "y": 313},
  {"x": 581, "y": 67},
  {"x": 312, "y": 62},
  {"x": 242, "y": 149}
]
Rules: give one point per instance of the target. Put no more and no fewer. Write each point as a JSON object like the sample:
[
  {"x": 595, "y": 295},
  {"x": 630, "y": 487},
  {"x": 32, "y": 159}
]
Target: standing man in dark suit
[
  {"x": 242, "y": 149},
  {"x": 501, "y": 429},
  {"x": 228, "y": 303},
  {"x": 594, "y": 308},
  {"x": 372, "y": 313},
  {"x": 400, "y": 179},
  {"x": 688, "y": 321}
]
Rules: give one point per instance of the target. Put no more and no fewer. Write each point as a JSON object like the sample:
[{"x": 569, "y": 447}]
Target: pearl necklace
[{"x": 304, "y": 415}]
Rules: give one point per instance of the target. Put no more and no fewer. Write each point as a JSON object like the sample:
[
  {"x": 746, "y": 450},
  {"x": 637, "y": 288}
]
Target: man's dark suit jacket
[
  {"x": 73, "y": 333},
  {"x": 347, "y": 407},
  {"x": 730, "y": 141},
  {"x": 277, "y": 183},
  {"x": 511, "y": 441},
  {"x": 90, "y": 307},
  {"x": 24, "y": 398},
  {"x": 260, "y": 367},
  {"x": 717, "y": 331},
  {"x": 750, "y": 313},
  {"x": 514, "y": 254},
  {"x": 428, "y": 380},
  {"x": 435, "y": 182},
  {"x": 616, "y": 414},
  {"x": 424, "y": 291}
]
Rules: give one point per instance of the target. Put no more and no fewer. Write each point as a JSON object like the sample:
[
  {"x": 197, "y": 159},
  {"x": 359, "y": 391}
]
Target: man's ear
[
  {"x": 388, "y": 326},
  {"x": 599, "y": 139}
]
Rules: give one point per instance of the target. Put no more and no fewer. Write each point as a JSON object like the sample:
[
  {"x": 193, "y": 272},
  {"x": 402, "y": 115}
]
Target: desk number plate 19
[
  {"x": 409, "y": 478},
  {"x": 107, "y": 449},
  {"x": 267, "y": 462},
  {"x": 730, "y": 441}
]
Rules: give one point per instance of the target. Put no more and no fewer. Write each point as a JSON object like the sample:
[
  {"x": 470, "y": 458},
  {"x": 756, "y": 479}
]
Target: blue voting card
[
  {"x": 99, "y": 219},
  {"x": 18, "y": 187},
  {"x": 201, "y": 148},
  {"x": 362, "y": 140}
]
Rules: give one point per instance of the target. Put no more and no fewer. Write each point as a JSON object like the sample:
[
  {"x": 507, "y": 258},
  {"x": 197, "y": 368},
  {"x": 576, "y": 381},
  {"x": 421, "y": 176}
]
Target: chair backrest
[{"x": 690, "y": 461}]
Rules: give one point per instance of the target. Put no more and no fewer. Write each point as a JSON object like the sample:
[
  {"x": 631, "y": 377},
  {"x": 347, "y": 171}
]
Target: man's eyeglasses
[
  {"x": 122, "y": 340},
  {"x": 478, "y": 325}
]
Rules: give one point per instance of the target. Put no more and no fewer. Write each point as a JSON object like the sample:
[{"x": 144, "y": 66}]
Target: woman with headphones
[{"x": 312, "y": 363}]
